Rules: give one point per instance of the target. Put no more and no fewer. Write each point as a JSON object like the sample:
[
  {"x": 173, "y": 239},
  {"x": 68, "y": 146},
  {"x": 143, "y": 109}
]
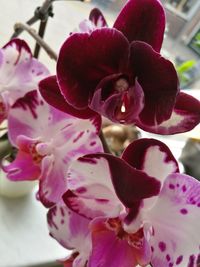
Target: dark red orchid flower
[{"x": 119, "y": 73}]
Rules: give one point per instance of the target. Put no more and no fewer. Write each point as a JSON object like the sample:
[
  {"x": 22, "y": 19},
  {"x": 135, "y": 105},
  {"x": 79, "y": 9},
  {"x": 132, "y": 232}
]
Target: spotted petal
[
  {"x": 78, "y": 141},
  {"x": 59, "y": 138},
  {"x": 20, "y": 72},
  {"x": 89, "y": 179},
  {"x": 71, "y": 231},
  {"x": 142, "y": 20},
  {"x": 175, "y": 221},
  {"x": 96, "y": 181}
]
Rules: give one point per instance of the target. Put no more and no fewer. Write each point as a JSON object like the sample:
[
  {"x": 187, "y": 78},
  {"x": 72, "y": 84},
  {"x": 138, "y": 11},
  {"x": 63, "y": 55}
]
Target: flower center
[
  {"x": 121, "y": 85},
  {"x": 135, "y": 240},
  {"x": 38, "y": 151}
]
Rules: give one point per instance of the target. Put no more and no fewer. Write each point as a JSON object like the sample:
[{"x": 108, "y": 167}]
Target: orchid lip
[{"x": 133, "y": 239}]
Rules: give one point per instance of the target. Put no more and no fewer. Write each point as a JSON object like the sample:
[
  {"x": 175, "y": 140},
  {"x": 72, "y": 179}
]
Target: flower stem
[{"x": 52, "y": 54}]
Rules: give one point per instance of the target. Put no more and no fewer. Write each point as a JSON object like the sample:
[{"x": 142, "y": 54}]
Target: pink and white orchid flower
[
  {"x": 142, "y": 209},
  {"x": 72, "y": 231},
  {"x": 47, "y": 140},
  {"x": 19, "y": 73},
  {"x": 96, "y": 20}
]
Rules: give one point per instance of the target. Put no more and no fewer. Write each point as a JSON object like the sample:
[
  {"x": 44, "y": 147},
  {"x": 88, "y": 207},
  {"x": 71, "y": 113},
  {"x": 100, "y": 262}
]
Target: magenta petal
[
  {"x": 97, "y": 18},
  {"x": 22, "y": 168},
  {"x": 49, "y": 89},
  {"x": 185, "y": 116},
  {"x": 83, "y": 61},
  {"x": 108, "y": 249},
  {"x": 158, "y": 79},
  {"x": 142, "y": 20}
]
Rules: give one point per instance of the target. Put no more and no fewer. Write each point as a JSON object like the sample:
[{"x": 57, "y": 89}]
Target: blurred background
[{"x": 182, "y": 37}]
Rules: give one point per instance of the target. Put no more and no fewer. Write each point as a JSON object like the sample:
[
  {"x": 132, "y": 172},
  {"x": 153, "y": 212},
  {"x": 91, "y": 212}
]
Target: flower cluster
[{"x": 134, "y": 210}]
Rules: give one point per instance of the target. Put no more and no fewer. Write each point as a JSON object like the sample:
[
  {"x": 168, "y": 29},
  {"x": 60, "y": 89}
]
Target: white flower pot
[{"x": 14, "y": 189}]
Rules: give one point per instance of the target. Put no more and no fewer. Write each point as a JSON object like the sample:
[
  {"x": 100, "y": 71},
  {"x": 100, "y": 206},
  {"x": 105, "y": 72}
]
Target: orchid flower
[
  {"x": 142, "y": 210},
  {"x": 19, "y": 74},
  {"x": 47, "y": 141},
  {"x": 96, "y": 20},
  {"x": 119, "y": 73},
  {"x": 72, "y": 231}
]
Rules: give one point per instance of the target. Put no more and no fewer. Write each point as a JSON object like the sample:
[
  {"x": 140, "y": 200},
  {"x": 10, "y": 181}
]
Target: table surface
[{"x": 25, "y": 240}]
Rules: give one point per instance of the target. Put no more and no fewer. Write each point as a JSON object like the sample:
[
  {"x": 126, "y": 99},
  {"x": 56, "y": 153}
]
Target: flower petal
[
  {"x": 28, "y": 117},
  {"x": 129, "y": 184},
  {"x": 83, "y": 61},
  {"x": 92, "y": 207},
  {"x": 105, "y": 244},
  {"x": 158, "y": 79},
  {"x": 147, "y": 154},
  {"x": 22, "y": 168},
  {"x": 50, "y": 91},
  {"x": 97, "y": 18},
  {"x": 93, "y": 195},
  {"x": 70, "y": 230},
  {"x": 79, "y": 139},
  {"x": 175, "y": 221},
  {"x": 142, "y": 20},
  {"x": 185, "y": 116},
  {"x": 20, "y": 72}
]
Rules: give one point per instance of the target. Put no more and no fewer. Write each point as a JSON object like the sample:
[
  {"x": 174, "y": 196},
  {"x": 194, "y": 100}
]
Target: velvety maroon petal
[
  {"x": 185, "y": 116},
  {"x": 85, "y": 59},
  {"x": 158, "y": 79},
  {"x": 97, "y": 18},
  {"x": 131, "y": 185},
  {"x": 49, "y": 89},
  {"x": 142, "y": 20}
]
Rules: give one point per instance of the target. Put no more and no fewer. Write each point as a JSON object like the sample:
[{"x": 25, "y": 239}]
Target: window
[{"x": 184, "y": 8}]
